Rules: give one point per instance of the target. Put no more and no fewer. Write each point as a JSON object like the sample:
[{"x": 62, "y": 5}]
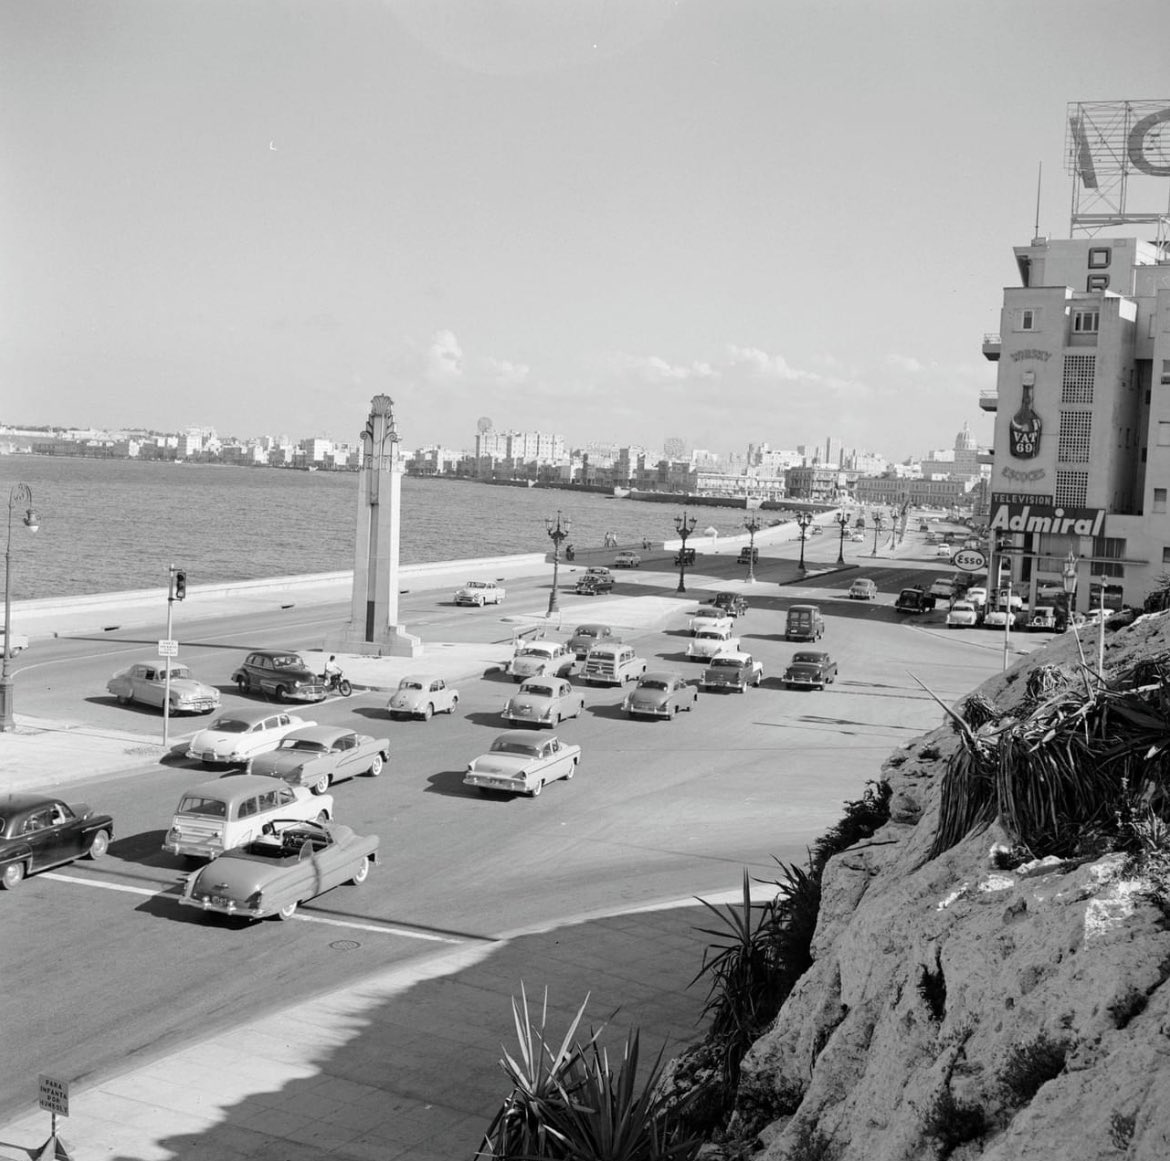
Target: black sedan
[
  {"x": 810, "y": 669},
  {"x": 731, "y": 603},
  {"x": 37, "y": 833}
]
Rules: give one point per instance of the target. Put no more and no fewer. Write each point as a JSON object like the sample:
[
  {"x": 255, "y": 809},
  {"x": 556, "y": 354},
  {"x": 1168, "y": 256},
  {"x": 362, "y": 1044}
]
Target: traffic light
[{"x": 180, "y": 584}]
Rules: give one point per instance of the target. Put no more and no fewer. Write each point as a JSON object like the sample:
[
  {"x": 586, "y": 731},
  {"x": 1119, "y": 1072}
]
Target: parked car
[
  {"x": 732, "y": 671},
  {"x": 943, "y": 587},
  {"x": 685, "y": 556},
  {"x": 1043, "y": 619},
  {"x": 39, "y": 832},
  {"x": 480, "y": 593},
  {"x": 146, "y": 682},
  {"x": 748, "y": 555},
  {"x": 587, "y": 635},
  {"x": 233, "y": 738},
  {"x": 708, "y": 617},
  {"x": 944, "y": 550},
  {"x": 857, "y": 537},
  {"x": 216, "y": 816},
  {"x": 612, "y": 663},
  {"x": 521, "y": 763},
  {"x": 862, "y": 590},
  {"x": 732, "y": 603},
  {"x": 810, "y": 669},
  {"x": 281, "y": 674},
  {"x": 660, "y": 694},
  {"x": 804, "y": 623},
  {"x": 318, "y": 756},
  {"x": 977, "y": 595},
  {"x": 541, "y": 658},
  {"x": 543, "y": 701},
  {"x": 420, "y": 695},
  {"x": 914, "y": 600},
  {"x": 275, "y": 873},
  {"x": 995, "y": 618},
  {"x": 963, "y": 615},
  {"x": 707, "y": 642},
  {"x": 627, "y": 559},
  {"x": 601, "y": 577}
]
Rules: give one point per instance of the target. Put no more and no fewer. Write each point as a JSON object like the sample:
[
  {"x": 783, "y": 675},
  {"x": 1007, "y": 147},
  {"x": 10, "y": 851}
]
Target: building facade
[{"x": 1081, "y": 462}]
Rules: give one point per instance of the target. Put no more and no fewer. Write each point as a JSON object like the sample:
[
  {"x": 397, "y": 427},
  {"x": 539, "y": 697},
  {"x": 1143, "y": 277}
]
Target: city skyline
[{"x": 725, "y": 222}]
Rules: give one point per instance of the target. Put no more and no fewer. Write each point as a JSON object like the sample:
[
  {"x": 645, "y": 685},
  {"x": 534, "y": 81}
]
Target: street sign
[
  {"x": 54, "y": 1095},
  {"x": 969, "y": 560},
  {"x": 168, "y": 649}
]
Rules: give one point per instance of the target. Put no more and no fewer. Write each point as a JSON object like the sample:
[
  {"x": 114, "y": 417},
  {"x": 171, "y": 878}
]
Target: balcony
[
  {"x": 992, "y": 345},
  {"x": 989, "y": 399}
]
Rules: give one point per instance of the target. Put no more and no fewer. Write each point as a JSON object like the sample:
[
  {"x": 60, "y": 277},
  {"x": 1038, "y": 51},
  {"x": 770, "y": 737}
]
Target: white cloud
[
  {"x": 444, "y": 358},
  {"x": 761, "y": 363},
  {"x": 504, "y": 373},
  {"x": 907, "y": 363},
  {"x": 654, "y": 369}
]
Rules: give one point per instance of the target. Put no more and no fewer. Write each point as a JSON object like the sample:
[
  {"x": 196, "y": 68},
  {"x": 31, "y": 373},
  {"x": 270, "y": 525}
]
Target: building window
[
  {"x": 1166, "y": 555},
  {"x": 1097, "y": 282},
  {"x": 1163, "y": 433},
  {"x": 1028, "y": 319},
  {"x": 1165, "y": 373},
  {"x": 1072, "y": 488},
  {"x": 1099, "y": 257},
  {"x": 1159, "y": 499},
  {"x": 1076, "y": 429},
  {"x": 1086, "y": 322},
  {"x": 1076, "y": 385}
]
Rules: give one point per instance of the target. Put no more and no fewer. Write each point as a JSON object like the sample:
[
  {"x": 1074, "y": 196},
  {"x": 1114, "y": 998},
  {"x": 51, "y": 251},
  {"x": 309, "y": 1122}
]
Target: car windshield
[
  {"x": 808, "y": 658},
  {"x": 538, "y": 690},
  {"x": 533, "y": 651},
  {"x": 199, "y": 804},
  {"x": 408, "y": 684},
  {"x": 507, "y": 747},
  {"x": 710, "y": 635},
  {"x": 231, "y": 726},
  {"x": 177, "y": 671},
  {"x": 653, "y": 683},
  {"x": 587, "y": 631},
  {"x": 303, "y": 744}
]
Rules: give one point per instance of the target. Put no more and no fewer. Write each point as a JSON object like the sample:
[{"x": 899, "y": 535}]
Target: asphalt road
[{"x": 102, "y": 967}]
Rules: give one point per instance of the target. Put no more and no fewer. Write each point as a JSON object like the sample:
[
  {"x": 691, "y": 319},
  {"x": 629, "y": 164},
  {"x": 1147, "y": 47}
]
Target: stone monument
[{"x": 373, "y": 627}]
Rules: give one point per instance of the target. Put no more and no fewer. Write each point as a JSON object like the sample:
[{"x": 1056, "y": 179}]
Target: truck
[
  {"x": 914, "y": 600},
  {"x": 732, "y": 671}
]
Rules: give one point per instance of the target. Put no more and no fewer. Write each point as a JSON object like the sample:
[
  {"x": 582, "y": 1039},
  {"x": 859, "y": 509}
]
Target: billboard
[{"x": 1059, "y": 521}]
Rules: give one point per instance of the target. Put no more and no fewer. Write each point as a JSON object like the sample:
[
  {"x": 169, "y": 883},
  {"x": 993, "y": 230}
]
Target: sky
[{"x": 726, "y": 221}]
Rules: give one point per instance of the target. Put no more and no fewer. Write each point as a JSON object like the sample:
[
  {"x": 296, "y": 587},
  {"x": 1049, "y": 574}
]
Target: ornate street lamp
[
  {"x": 684, "y": 525},
  {"x": 842, "y": 518},
  {"x": 877, "y": 531},
  {"x": 557, "y": 532},
  {"x": 753, "y": 524},
  {"x": 803, "y": 521},
  {"x": 19, "y": 497}
]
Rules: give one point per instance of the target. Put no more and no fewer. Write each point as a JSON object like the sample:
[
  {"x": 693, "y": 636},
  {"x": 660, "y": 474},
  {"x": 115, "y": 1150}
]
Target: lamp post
[
  {"x": 842, "y": 518},
  {"x": 802, "y": 522},
  {"x": 684, "y": 526},
  {"x": 1068, "y": 579},
  {"x": 557, "y": 532},
  {"x": 20, "y": 496},
  {"x": 753, "y": 524},
  {"x": 877, "y": 531},
  {"x": 1101, "y": 628}
]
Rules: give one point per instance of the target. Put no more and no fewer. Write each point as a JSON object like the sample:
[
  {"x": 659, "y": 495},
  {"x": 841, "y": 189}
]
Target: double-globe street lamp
[
  {"x": 557, "y": 532},
  {"x": 753, "y": 524},
  {"x": 20, "y": 496},
  {"x": 803, "y": 521},
  {"x": 842, "y": 518},
  {"x": 684, "y": 525}
]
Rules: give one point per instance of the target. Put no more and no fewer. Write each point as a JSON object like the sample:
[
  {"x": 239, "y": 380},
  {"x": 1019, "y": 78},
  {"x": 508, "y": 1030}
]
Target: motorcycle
[{"x": 337, "y": 683}]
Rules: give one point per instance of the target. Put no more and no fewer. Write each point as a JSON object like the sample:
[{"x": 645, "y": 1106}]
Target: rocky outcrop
[{"x": 958, "y": 1009}]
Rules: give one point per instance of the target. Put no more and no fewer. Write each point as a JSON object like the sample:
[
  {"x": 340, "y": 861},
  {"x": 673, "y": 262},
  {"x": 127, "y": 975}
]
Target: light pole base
[{"x": 7, "y": 720}]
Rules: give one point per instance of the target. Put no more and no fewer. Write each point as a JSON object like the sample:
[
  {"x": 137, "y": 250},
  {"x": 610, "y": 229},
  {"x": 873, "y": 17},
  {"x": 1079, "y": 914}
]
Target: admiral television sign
[{"x": 1043, "y": 518}]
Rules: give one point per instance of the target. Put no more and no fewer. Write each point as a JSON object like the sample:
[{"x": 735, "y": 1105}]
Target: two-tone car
[
  {"x": 541, "y": 659},
  {"x": 146, "y": 683},
  {"x": 710, "y": 617},
  {"x": 239, "y": 735},
  {"x": 660, "y": 694},
  {"x": 419, "y": 695},
  {"x": 318, "y": 756},
  {"x": 480, "y": 593},
  {"x": 707, "y": 642},
  {"x": 278, "y": 871},
  {"x": 543, "y": 701},
  {"x": 601, "y": 577},
  {"x": 733, "y": 604},
  {"x": 39, "y": 832},
  {"x": 520, "y": 762},
  {"x": 810, "y": 669},
  {"x": 732, "y": 671},
  {"x": 586, "y": 636},
  {"x": 279, "y": 673}
]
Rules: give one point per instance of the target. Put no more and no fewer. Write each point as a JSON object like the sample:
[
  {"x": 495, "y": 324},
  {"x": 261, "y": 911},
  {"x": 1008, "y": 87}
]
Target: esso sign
[{"x": 969, "y": 560}]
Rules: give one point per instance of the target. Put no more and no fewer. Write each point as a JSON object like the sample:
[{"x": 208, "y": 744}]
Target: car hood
[
  {"x": 509, "y": 764},
  {"x": 189, "y": 687}
]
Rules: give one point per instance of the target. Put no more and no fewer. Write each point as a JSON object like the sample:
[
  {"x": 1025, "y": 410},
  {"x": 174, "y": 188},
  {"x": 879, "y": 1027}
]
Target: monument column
[{"x": 374, "y": 629}]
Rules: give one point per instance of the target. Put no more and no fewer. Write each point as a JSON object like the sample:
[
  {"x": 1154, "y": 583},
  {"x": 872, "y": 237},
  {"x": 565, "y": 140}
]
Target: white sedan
[
  {"x": 707, "y": 642},
  {"x": 521, "y": 763},
  {"x": 146, "y": 682},
  {"x": 480, "y": 593},
  {"x": 711, "y": 617},
  {"x": 235, "y": 737},
  {"x": 963, "y": 615}
]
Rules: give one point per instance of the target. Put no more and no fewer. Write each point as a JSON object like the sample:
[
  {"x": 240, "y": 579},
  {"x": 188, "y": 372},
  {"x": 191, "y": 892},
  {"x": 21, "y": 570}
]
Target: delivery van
[{"x": 804, "y": 623}]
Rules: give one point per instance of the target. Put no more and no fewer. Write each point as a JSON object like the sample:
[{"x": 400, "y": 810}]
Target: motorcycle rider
[{"x": 332, "y": 671}]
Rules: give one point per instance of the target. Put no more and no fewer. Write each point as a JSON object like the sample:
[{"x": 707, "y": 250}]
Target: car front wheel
[
  {"x": 322, "y": 784},
  {"x": 362, "y": 873},
  {"x": 428, "y": 709},
  {"x": 287, "y": 911},
  {"x": 535, "y": 791},
  {"x": 99, "y": 844},
  {"x": 454, "y": 703},
  {"x": 376, "y": 766},
  {"x": 281, "y": 693},
  {"x": 13, "y": 874},
  {"x": 241, "y": 685}
]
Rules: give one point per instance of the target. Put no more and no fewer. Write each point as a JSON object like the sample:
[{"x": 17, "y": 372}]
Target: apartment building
[{"x": 1081, "y": 462}]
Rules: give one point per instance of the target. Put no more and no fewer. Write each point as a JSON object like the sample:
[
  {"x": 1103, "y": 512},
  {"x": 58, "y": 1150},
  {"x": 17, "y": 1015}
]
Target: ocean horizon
[{"x": 113, "y": 525}]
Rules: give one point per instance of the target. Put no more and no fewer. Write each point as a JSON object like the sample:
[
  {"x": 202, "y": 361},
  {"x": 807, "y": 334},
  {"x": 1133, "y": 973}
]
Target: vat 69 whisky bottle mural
[{"x": 1025, "y": 427}]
